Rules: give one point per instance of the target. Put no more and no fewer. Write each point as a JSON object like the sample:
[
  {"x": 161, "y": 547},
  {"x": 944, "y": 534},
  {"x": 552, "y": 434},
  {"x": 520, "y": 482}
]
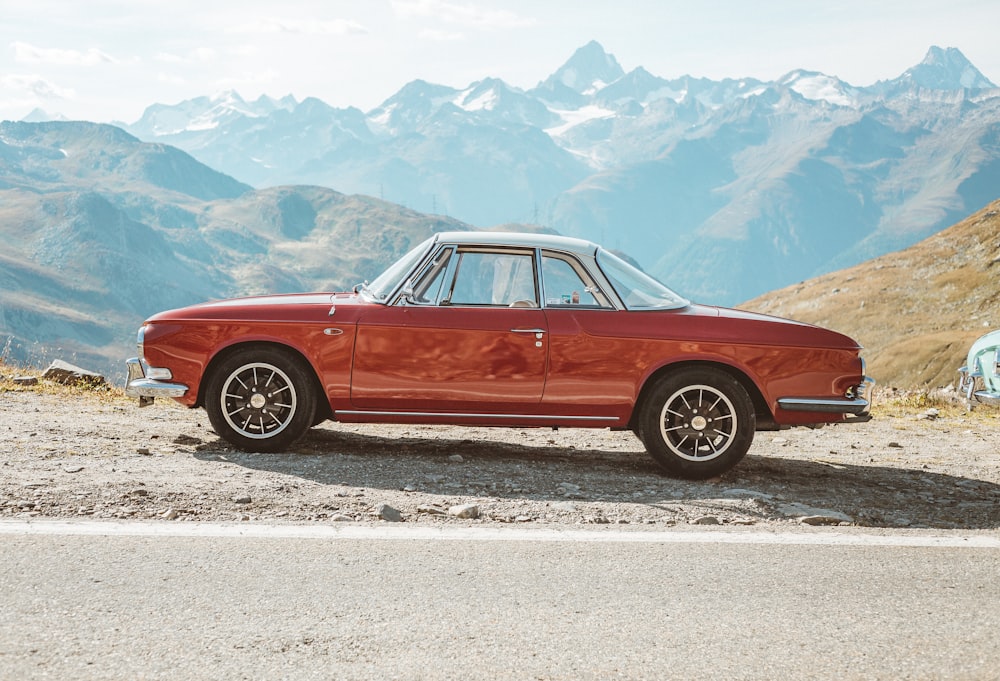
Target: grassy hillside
[{"x": 916, "y": 311}]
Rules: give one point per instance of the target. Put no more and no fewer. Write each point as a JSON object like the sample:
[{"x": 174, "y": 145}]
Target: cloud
[
  {"x": 297, "y": 27},
  {"x": 30, "y": 54},
  {"x": 199, "y": 55},
  {"x": 441, "y": 36},
  {"x": 461, "y": 14},
  {"x": 37, "y": 86}
]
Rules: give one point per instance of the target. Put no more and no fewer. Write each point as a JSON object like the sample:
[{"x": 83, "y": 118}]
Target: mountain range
[{"x": 723, "y": 188}]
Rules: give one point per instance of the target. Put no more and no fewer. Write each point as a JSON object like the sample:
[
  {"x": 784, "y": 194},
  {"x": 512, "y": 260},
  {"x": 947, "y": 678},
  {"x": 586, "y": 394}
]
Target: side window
[
  {"x": 566, "y": 283},
  {"x": 499, "y": 279},
  {"x": 430, "y": 283}
]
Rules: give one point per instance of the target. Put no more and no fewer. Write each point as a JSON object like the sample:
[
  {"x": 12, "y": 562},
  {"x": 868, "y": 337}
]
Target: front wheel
[
  {"x": 261, "y": 399},
  {"x": 697, "y": 423}
]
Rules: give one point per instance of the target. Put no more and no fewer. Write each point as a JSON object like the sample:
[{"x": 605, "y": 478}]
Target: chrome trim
[
  {"x": 987, "y": 396},
  {"x": 826, "y": 406},
  {"x": 147, "y": 389},
  {"x": 535, "y": 331},
  {"x": 467, "y": 415}
]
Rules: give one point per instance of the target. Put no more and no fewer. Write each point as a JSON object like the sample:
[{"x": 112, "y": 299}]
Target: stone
[
  {"x": 187, "y": 440},
  {"x": 464, "y": 511},
  {"x": 565, "y": 506},
  {"x": 73, "y": 469},
  {"x": 388, "y": 513},
  {"x": 456, "y": 458},
  {"x": 823, "y": 519},
  {"x": 244, "y": 499},
  {"x": 430, "y": 509},
  {"x": 170, "y": 514},
  {"x": 706, "y": 520},
  {"x": 25, "y": 380},
  {"x": 64, "y": 372},
  {"x": 341, "y": 518}
]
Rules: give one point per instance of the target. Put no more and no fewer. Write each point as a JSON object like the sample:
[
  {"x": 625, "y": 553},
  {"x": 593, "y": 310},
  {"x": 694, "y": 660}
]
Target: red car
[{"x": 503, "y": 329}]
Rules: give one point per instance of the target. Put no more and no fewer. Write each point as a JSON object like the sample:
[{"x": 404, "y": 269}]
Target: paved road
[{"x": 202, "y": 601}]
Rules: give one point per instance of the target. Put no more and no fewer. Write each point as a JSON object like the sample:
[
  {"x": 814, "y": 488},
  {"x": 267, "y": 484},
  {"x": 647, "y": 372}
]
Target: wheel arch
[
  {"x": 322, "y": 404},
  {"x": 764, "y": 417}
]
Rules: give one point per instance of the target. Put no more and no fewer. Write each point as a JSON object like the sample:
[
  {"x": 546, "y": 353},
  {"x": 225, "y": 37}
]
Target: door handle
[{"x": 537, "y": 332}]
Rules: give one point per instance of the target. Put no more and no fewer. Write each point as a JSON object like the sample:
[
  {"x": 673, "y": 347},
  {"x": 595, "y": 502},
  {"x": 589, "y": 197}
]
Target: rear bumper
[
  {"x": 855, "y": 406},
  {"x": 147, "y": 389}
]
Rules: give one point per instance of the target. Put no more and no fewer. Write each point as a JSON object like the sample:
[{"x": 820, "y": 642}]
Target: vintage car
[
  {"x": 981, "y": 374},
  {"x": 503, "y": 329}
]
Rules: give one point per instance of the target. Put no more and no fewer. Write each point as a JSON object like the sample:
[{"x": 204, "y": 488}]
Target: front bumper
[
  {"x": 854, "y": 406},
  {"x": 147, "y": 389}
]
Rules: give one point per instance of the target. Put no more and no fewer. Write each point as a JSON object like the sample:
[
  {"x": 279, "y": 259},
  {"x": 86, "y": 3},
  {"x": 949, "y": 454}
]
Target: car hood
[{"x": 284, "y": 307}]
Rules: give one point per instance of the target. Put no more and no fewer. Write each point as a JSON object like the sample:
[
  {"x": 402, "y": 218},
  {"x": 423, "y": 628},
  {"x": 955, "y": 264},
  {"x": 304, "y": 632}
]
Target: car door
[
  {"x": 592, "y": 370},
  {"x": 467, "y": 336}
]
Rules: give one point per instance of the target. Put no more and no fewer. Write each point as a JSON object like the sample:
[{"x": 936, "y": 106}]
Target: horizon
[{"x": 109, "y": 61}]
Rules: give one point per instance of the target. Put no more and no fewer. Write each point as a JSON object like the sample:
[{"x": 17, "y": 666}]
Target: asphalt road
[{"x": 199, "y": 604}]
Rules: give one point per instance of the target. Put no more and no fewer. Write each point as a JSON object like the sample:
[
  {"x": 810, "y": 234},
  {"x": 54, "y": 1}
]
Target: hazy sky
[{"x": 106, "y": 60}]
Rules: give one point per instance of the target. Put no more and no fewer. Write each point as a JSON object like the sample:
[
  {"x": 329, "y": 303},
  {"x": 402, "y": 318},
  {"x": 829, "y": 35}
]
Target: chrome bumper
[
  {"x": 147, "y": 389},
  {"x": 967, "y": 386},
  {"x": 854, "y": 405}
]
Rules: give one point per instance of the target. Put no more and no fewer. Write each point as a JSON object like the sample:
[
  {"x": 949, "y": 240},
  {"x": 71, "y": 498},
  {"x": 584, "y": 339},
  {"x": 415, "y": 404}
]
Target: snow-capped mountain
[{"x": 726, "y": 189}]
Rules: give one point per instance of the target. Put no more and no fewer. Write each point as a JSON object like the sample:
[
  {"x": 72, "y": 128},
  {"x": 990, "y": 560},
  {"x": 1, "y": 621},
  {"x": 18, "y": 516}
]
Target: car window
[
  {"x": 638, "y": 290},
  {"x": 429, "y": 285},
  {"x": 491, "y": 278},
  {"x": 565, "y": 282}
]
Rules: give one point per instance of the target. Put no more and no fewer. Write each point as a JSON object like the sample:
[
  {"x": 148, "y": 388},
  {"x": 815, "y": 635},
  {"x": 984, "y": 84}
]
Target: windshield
[
  {"x": 638, "y": 290},
  {"x": 387, "y": 282}
]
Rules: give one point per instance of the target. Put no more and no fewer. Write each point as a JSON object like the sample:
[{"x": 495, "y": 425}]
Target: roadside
[{"x": 76, "y": 453}]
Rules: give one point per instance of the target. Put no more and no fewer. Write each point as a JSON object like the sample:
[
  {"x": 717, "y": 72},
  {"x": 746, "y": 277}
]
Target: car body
[
  {"x": 981, "y": 374},
  {"x": 503, "y": 329}
]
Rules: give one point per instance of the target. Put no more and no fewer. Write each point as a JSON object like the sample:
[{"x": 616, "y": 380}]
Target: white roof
[{"x": 523, "y": 239}]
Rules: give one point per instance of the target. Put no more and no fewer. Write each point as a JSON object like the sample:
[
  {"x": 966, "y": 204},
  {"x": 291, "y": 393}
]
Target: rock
[
  {"x": 341, "y": 518},
  {"x": 741, "y": 493},
  {"x": 430, "y": 509},
  {"x": 456, "y": 458},
  {"x": 835, "y": 519},
  {"x": 817, "y": 516},
  {"x": 388, "y": 513},
  {"x": 244, "y": 499},
  {"x": 73, "y": 469},
  {"x": 144, "y": 451},
  {"x": 464, "y": 511},
  {"x": 566, "y": 506},
  {"x": 25, "y": 380},
  {"x": 706, "y": 520},
  {"x": 187, "y": 440},
  {"x": 64, "y": 372},
  {"x": 170, "y": 514},
  {"x": 895, "y": 445}
]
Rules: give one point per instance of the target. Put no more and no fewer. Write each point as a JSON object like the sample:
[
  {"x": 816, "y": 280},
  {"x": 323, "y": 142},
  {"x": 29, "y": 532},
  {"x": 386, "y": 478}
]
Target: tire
[
  {"x": 261, "y": 399},
  {"x": 697, "y": 423}
]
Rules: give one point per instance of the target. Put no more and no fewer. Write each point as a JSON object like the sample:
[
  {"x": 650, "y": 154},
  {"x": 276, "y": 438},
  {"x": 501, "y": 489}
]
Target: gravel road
[{"x": 67, "y": 453}]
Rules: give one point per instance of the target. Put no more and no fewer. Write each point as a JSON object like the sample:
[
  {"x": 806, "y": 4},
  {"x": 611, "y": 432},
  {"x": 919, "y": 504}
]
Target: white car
[{"x": 981, "y": 373}]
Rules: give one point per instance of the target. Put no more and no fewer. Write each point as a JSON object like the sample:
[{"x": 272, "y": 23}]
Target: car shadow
[{"x": 760, "y": 488}]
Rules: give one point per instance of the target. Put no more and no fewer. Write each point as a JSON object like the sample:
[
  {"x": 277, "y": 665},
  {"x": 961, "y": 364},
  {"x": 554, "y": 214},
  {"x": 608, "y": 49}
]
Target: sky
[{"x": 107, "y": 60}]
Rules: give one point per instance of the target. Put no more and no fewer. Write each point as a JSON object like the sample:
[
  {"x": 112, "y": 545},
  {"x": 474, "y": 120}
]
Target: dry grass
[{"x": 9, "y": 372}]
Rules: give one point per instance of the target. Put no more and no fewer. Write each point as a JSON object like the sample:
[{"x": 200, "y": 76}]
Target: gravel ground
[{"x": 66, "y": 453}]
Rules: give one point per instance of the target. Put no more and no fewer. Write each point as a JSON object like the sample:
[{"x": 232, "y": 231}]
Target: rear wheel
[
  {"x": 261, "y": 399},
  {"x": 697, "y": 423}
]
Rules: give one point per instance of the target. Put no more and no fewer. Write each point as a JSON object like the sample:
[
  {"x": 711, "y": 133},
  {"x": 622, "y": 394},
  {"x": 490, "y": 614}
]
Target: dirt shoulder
[{"x": 71, "y": 454}]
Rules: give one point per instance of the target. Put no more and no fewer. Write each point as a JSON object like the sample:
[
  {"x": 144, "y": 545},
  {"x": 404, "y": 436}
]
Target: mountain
[
  {"x": 946, "y": 69},
  {"x": 917, "y": 310},
  {"x": 723, "y": 188},
  {"x": 101, "y": 230}
]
